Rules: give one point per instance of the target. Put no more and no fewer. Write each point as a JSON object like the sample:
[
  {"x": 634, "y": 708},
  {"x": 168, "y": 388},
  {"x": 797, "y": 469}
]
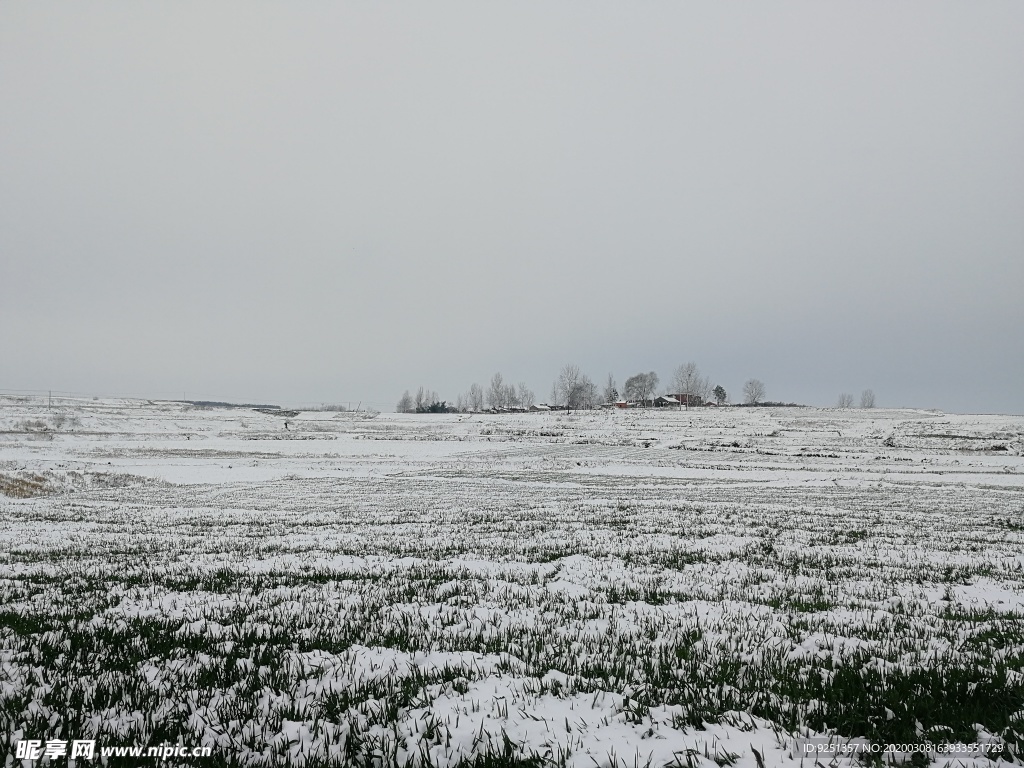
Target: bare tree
[
  {"x": 641, "y": 387},
  {"x": 567, "y": 386},
  {"x": 525, "y": 395},
  {"x": 704, "y": 388},
  {"x": 405, "y": 403},
  {"x": 684, "y": 380},
  {"x": 845, "y": 400},
  {"x": 753, "y": 391},
  {"x": 867, "y": 399},
  {"x": 575, "y": 390},
  {"x": 632, "y": 387},
  {"x": 588, "y": 393},
  {"x": 476, "y": 397},
  {"x": 652, "y": 385},
  {"x": 687, "y": 381},
  {"x": 509, "y": 399},
  {"x": 424, "y": 399},
  {"x": 611, "y": 393},
  {"x": 496, "y": 392}
]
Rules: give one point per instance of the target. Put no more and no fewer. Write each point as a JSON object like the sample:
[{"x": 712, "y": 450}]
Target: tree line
[
  {"x": 499, "y": 395},
  {"x": 572, "y": 389}
]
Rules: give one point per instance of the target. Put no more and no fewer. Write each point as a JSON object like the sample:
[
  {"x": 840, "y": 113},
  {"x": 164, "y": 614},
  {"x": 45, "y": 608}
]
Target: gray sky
[{"x": 320, "y": 201}]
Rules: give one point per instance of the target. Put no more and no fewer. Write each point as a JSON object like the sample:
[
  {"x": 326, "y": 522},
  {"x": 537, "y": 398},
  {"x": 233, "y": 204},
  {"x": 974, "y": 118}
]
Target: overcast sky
[{"x": 332, "y": 202}]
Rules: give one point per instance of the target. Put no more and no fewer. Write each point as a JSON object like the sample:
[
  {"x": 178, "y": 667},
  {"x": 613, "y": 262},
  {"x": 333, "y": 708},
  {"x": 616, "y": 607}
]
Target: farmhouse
[{"x": 684, "y": 398}]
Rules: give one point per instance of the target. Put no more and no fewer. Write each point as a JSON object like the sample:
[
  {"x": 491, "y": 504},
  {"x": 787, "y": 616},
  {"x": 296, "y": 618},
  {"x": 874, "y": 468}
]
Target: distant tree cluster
[
  {"x": 610, "y": 394},
  {"x": 573, "y": 390},
  {"x": 425, "y": 401},
  {"x": 753, "y": 392},
  {"x": 640, "y": 388},
  {"x": 500, "y": 395},
  {"x": 867, "y": 400},
  {"x": 688, "y": 382}
]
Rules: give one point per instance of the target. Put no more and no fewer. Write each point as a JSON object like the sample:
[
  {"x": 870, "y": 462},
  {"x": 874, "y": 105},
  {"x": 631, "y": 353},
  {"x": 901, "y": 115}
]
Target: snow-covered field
[{"x": 694, "y": 588}]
